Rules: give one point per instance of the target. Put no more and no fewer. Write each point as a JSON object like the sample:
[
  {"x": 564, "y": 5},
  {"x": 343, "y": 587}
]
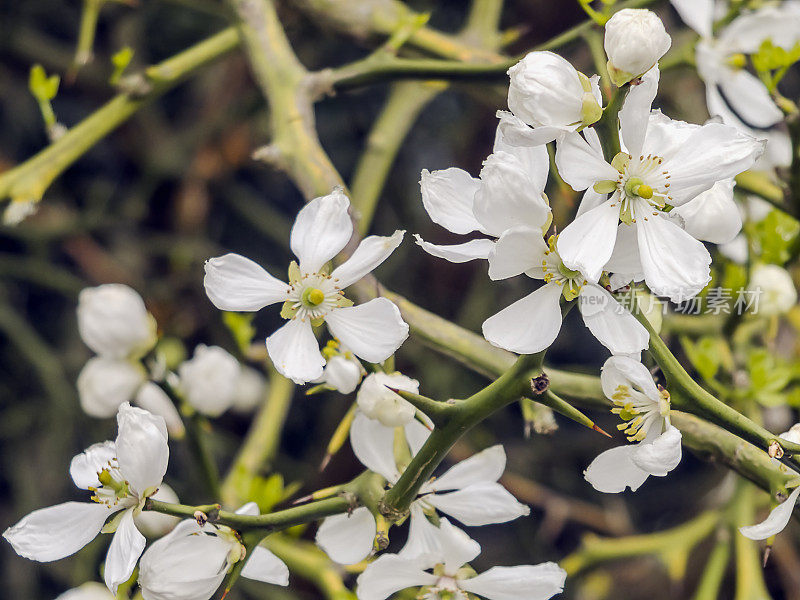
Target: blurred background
[{"x": 177, "y": 185}]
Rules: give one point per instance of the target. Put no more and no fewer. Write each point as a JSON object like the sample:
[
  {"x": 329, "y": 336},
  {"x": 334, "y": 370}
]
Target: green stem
[
  {"x": 749, "y": 571},
  {"x": 462, "y": 416},
  {"x": 714, "y": 571},
  {"x": 198, "y": 431},
  {"x": 28, "y": 181}
]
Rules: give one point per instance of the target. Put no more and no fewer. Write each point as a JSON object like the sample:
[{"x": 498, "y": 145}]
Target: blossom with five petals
[
  {"x": 664, "y": 164},
  {"x": 645, "y": 410},
  {"x": 121, "y": 476},
  {"x": 443, "y": 574},
  {"x": 372, "y": 331}
]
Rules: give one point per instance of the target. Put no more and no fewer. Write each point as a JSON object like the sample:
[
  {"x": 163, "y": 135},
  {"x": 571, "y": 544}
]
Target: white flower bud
[
  {"x": 155, "y": 400},
  {"x": 210, "y": 379},
  {"x": 250, "y": 390},
  {"x": 105, "y": 383},
  {"x": 635, "y": 40},
  {"x": 342, "y": 373},
  {"x": 546, "y": 90},
  {"x": 114, "y": 322},
  {"x": 186, "y": 564},
  {"x": 377, "y": 401},
  {"x": 155, "y": 524},
  {"x": 775, "y": 289},
  {"x": 88, "y": 591}
]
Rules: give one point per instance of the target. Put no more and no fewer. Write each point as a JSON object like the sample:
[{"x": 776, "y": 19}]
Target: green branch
[{"x": 28, "y": 181}]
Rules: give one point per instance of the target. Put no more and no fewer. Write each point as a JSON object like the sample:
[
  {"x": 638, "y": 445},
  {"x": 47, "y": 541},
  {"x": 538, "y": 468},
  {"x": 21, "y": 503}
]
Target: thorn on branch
[
  {"x": 271, "y": 155},
  {"x": 540, "y": 384}
]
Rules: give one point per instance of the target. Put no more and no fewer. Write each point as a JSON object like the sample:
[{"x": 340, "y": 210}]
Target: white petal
[
  {"x": 371, "y": 252},
  {"x": 711, "y": 153},
  {"x": 90, "y": 590},
  {"x": 479, "y": 504},
  {"x": 264, "y": 566},
  {"x": 236, "y": 283},
  {"x": 635, "y": 112},
  {"x": 614, "y": 470},
  {"x": 580, "y": 165},
  {"x": 533, "y": 156},
  {"x": 58, "y": 531},
  {"x": 155, "y": 400},
  {"x": 697, "y": 14},
  {"x": 251, "y": 509},
  {"x": 448, "y": 196},
  {"x": 712, "y": 216},
  {"x": 532, "y": 582},
  {"x": 342, "y": 374},
  {"x": 389, "y": 574},
  {"x": 458, "y": 253},
  {"x": 529, "y": 325},
  {"x": 611, "y": 323},
  {"x": 126, "y": 547},
  {"x": 295, "y": 353},
  {"x": 509, "y": 196},
  {"x": 322, "y": 228},
  {"x": 484, "y": 467},
  {"x": 423, "y": 536},
  {"x": 457, "y": 547},
  {"x": 416, "y": 435},
  {"x": 142, "y": 450},
  {"x": 586, "y": 244},
  {"x": 590, "y": 200},
  {"x": 515, "y": 135},
  {"x": 519, "y": 250},
  {"x": 155, "y": 524},
  {"x": 348, "y": 538},
  {"x": 777, "y": 520},
  {"x": 85, "y": 466},
  {"x": 625, "y": 260},
  {"x": 621, "y": 370},
  {"x": 372, "y": 331},
  {"x": 750, "y": 99},
  {"x": 661, "y": 455},
  {"x": 675, "y": 264},
  {"x": 373, "y": 445}
]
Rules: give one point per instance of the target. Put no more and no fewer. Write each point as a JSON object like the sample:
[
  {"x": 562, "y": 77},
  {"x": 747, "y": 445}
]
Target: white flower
[
  {"x": 190, "y": 562},
  {"x": 372, "y": 331},
  {"x": 377, "y": 401},
  {"x": 443, "y": 577},
  {"x": 106, "y": 383},
  {"x": 510, "y": 192},
  {"x": 468, "y": 491},
  {"x": 775, "y": 289},
  {"x": 550, "y": 95},
  {"x": 732, "y": 93},
  {"x": 645, "y": 410},
  {"x": 532, "y": 323},
  {"x": 121, "y": 476},
  {"x": 114, "y": 322},
  {"x": 88, "y": 591},
  {"x": 250, "y": 390},
  {"x": 665, "y": 163},
  {"x": 209, "y": 380},
  {"x": 635, "y": 39}
]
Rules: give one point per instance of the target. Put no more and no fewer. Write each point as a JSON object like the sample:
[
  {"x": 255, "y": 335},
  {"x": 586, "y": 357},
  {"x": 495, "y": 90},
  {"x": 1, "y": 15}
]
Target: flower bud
[
  {"x": 114, "y": 322},
  {"x": 377, "y": 401},
  {"x": 342, "y": 373},
  {"x": 105, "y": 383},
  {"x": 210, "y": 379},
  {"x": 546, "y": 90},
  {"x": 775, "y": 289},
  {"x": 635, "y": 40},
  {"x": 88, "y": 591}
]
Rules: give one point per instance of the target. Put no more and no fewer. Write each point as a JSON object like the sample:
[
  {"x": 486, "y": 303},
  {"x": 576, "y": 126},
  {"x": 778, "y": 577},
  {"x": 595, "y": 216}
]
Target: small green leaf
[{"x": 120, "y": 60}]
